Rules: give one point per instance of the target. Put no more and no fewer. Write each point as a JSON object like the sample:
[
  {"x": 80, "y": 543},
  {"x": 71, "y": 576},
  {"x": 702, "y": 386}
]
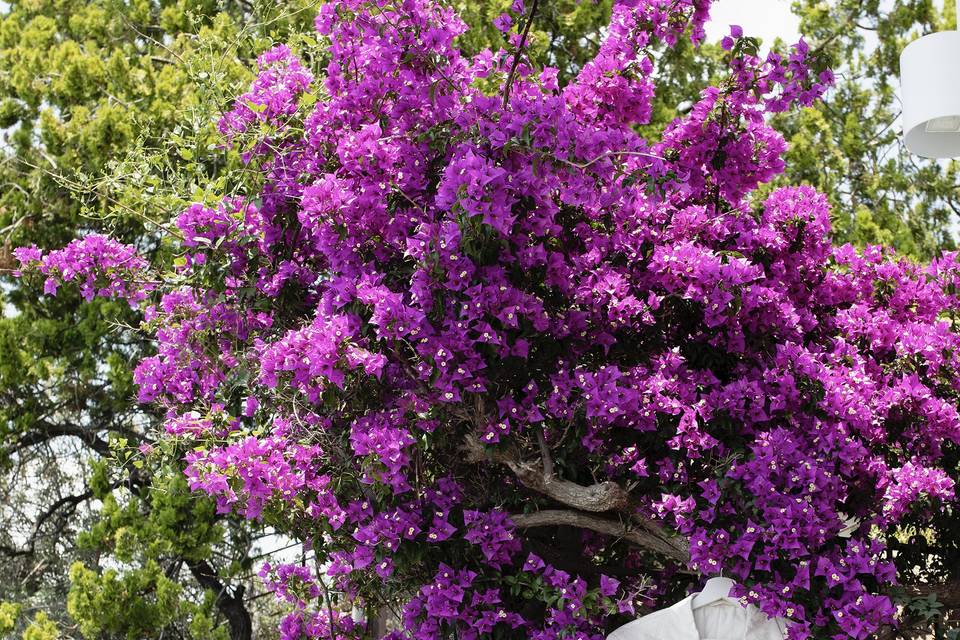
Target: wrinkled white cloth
[{"x": 719, "y": 621}]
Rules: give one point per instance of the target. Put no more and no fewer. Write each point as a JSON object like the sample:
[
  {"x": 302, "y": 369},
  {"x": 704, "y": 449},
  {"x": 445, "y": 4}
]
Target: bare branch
[
  {"x": 548, "y": 469},
  {"x": 516, "y": 56},
  {"x": 582, "y": 502},
  {"x": 596, "y": 498},
  {"x": 44, "y": 431},
  {"x": 638, "y": 536}
]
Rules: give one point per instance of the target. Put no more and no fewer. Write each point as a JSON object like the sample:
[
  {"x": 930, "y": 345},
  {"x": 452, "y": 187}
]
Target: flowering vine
[{"x": 509, "y": 369}]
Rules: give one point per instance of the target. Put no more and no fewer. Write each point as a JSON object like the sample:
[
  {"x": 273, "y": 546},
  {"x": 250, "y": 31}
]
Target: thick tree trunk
[
  {"x": 230, "y": 605},
  {"x": 377, "y": 623}
]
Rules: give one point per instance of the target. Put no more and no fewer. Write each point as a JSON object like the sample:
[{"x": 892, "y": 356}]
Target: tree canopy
[
  {"x": 510, "y": 365},
  {"x": 109, "y": 110}
]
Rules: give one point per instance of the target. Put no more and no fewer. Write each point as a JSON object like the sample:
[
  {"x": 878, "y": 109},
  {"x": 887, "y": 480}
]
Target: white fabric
[{"x": 719, "y": 621}]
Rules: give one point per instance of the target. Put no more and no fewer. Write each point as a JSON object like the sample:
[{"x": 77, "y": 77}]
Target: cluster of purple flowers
[
  {"x": 98, "y": 265},
  {"x": 273, "y": 97},
  {"x": 430, "y": 266}
]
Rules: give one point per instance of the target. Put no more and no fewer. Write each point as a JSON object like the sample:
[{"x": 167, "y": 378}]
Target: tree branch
[
  {"x": 230, "y": 605},
  {"x": 642, "y": 538},
  {"x": 596, "y": 498},
  {"x": 582, "y": 501},
  {"x": 516, "y": 57},
  {"x": 548, "y": 469},
  {"x": 44, "y": 431},
  {"x": 67, "y": 503}
]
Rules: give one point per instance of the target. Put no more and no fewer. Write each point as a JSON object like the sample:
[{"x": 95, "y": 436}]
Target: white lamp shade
[{"x": 930, "y": 86}]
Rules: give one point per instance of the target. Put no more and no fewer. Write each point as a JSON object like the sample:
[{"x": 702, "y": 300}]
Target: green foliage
[
  {"x": 138, "y": 602},
  {"x": 103, "y": 102},
  {"x": 168, "y": 522},
  {"x": 41, "y": 628},
  {"x": 849, "y": 146},
  {"x": 9, "y": 612}
]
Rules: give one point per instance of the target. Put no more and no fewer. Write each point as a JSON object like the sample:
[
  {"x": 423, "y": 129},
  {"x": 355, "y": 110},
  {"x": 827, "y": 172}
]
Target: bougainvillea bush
[{"x": 510, "y": 370}]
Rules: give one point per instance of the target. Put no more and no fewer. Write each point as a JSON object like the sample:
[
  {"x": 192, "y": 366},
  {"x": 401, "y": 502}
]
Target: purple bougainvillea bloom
[{"x": 473, "y": 350}]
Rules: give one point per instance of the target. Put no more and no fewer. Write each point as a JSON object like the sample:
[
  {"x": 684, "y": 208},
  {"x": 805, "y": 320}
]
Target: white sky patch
[{"x": 764, "y": 19}]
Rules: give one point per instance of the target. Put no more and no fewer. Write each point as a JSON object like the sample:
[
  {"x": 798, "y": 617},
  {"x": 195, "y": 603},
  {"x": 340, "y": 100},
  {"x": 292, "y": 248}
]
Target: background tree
[
  {"x": 129, "y": 91},
  {"x": 850, "y": 145}
]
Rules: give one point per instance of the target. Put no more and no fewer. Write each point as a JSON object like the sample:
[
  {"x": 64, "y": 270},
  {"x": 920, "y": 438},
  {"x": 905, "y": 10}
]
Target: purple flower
[{"x": 608, "y": 586}]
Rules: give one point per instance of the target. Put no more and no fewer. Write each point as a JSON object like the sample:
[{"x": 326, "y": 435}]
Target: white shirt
[{"x": 720, "y": 621}]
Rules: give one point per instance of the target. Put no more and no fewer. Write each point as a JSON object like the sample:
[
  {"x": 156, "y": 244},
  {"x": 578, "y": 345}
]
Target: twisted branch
[
  {"x": 582, "y": 501},
  {"x": 642, "y": 538}
]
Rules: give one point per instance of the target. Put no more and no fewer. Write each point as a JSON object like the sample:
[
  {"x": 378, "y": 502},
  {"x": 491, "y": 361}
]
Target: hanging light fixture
[{"x": 930, "y": 90}]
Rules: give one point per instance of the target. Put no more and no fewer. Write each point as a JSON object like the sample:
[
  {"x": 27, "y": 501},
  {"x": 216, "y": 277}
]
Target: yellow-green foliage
[
  {"x": 9, "y": 612},
  {"x": 136, "y": 603},
  {"x": 41, "y": 628}
]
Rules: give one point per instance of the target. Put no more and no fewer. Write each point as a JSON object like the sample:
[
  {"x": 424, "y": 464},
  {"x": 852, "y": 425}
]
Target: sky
[{"x": 764, "y": 19}]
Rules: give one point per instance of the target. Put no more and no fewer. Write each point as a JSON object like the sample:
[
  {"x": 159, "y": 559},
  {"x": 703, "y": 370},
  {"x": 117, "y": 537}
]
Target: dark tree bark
[{"x": 230, "y": 604}]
